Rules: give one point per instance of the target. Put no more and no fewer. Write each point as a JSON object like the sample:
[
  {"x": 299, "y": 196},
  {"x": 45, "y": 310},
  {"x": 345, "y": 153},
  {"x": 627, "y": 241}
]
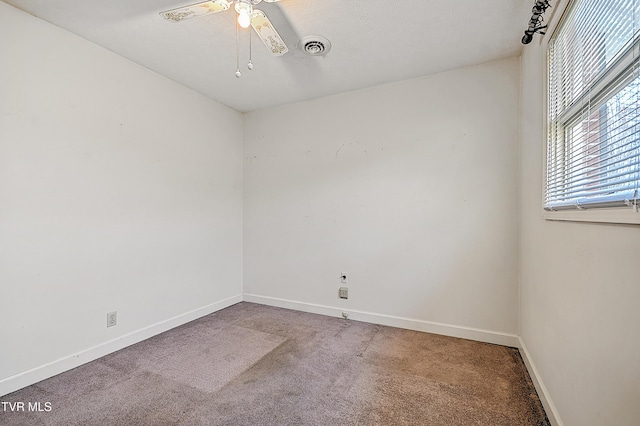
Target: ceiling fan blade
[
  {"x": 268, "y": 33},
  {"x": 187, "y": 12}
]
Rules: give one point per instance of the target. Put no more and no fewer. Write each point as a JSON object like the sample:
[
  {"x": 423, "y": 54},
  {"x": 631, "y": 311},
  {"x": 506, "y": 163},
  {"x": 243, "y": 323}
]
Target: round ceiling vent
[{"x": 315, "y": 45}]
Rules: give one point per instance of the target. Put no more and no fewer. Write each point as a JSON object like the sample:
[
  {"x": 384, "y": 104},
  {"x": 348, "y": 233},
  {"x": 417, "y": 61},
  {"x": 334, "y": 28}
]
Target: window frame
[{"x": 619, "y": 215}]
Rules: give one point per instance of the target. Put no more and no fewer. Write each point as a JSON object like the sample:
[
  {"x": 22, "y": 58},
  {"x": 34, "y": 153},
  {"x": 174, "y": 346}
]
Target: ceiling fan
[{"x": 247, "y": 16}]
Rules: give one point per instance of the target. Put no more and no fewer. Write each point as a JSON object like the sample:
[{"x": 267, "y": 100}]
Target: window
[{"x": 593, "y": 147}]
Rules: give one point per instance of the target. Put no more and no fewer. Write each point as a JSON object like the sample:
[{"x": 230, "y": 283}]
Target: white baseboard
[
  {"x": 392, "y": 321},
  {"x": 543, "y": 394},
  {"x": 26, "y": 378}
]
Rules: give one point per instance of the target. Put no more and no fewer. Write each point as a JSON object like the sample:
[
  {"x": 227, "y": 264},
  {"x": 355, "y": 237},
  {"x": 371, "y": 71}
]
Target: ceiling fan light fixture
[
  {"x": 244, "y": 20},
  {"x": 244, "y": 9},
  {"x": 246, "y": 16},
  {"x": 244, "y": 6}
]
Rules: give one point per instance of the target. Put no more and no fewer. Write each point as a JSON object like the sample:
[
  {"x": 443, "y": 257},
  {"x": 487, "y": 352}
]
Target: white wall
[
  {"x": 580, "y": 290},
  {"x": 408, "y": 187},
  {"x": 119, "y": 190}
]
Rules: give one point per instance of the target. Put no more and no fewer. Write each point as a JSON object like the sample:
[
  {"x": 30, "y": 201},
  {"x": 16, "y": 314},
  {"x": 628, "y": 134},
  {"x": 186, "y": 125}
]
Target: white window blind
[{"x": 593, "y": 147}]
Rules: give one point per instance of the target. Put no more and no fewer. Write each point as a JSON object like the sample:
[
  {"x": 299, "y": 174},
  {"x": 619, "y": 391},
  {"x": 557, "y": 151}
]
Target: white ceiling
[{"x": 374, "y": 42}]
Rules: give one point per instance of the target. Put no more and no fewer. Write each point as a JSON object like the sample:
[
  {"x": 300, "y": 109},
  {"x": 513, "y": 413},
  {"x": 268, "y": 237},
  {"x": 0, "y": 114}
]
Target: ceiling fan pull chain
[
  {"x": 238, "y": 73},
  {"x": 250, "y": 64}
]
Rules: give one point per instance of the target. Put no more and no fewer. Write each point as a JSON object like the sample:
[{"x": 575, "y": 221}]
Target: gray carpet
[{"x": 257, "y": 365}]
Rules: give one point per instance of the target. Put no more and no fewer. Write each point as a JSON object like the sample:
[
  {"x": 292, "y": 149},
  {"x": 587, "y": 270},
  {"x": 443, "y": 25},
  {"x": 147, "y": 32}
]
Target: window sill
[{"x": 623, "y": 215}]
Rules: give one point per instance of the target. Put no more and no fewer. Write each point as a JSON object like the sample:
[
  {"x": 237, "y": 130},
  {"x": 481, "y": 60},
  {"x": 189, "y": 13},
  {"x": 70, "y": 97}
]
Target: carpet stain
[{"x": 258, "y": 365}]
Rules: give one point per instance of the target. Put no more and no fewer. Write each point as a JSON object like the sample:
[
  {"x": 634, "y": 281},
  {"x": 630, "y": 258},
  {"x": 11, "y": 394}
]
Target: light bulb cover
[{"x": 244, "y": 20}]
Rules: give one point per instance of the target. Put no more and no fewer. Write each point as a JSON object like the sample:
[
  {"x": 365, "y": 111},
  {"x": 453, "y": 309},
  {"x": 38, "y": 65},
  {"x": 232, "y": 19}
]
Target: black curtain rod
[{"x": 535, "y": 23}]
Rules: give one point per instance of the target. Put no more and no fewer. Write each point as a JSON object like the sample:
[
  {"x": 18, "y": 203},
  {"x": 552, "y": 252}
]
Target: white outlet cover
[
  {"x": 112, "y": 318},
  {"x": 343, "y": 293}
]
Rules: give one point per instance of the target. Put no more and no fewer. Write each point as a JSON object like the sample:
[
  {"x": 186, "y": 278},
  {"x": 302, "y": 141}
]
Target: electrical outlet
[
  {"x": 343, "y": 278},
  {"x": 112, "y": 318},
  {"x": 343, "y": 293}
]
